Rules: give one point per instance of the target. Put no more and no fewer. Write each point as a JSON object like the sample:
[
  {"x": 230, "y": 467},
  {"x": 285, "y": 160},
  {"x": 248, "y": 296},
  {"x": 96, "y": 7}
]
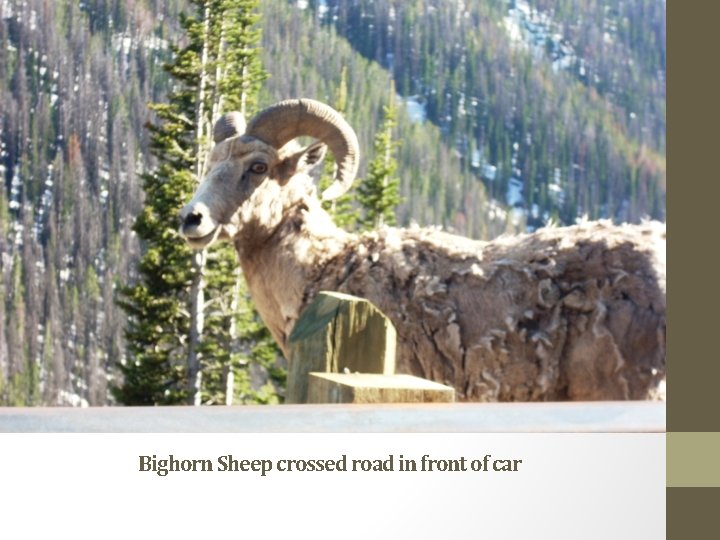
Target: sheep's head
[{"x": 245, "y": 161}]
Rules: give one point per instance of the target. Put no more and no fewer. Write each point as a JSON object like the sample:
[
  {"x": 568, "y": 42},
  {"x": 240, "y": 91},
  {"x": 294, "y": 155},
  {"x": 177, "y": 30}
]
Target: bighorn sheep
[{"x": 563, "y": 313}]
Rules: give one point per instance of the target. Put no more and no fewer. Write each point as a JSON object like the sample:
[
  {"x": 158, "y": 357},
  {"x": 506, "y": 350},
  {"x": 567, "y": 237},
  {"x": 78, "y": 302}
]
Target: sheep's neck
[{"x": 282, "y": 269}]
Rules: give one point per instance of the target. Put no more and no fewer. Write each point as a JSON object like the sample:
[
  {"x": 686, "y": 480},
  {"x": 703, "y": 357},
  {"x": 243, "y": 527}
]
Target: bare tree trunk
[
  {"x": 229, "y": 384},
  {"x": 197, "y": 323},
  {"x": 228, "y": 371},
  {"x": 386, "y": 161},
  {"x": 202, "y": 125},
  {"x": 243, "y": 94},
  {"x": 220, "y": 71}
]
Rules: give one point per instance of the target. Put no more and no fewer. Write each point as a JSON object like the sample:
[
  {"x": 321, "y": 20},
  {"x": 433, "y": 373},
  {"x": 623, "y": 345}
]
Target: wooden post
[
  {"x": 374, "y": 388},
  {"x": 338, "y": 333}
]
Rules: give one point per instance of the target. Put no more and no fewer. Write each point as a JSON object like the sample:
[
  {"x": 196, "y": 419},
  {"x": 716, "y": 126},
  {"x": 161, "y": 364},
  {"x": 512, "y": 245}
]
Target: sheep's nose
[{"x": 193, "y": 219}]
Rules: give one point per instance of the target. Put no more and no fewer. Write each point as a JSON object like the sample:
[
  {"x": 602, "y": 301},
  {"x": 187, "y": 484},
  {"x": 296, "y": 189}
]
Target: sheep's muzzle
[{"x": 197, "y": 227}]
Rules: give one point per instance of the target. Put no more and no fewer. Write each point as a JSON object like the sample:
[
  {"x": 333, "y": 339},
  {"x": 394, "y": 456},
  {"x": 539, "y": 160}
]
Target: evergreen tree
[
  {"x": 240, "y": 68},
  {"x": 341, "y": 209},
  {"x": 23, "y": 384},
  {"x": 171, "y": 326},
  {"x": 379, "y": 192},
  {"x": 158, "y": 321}
]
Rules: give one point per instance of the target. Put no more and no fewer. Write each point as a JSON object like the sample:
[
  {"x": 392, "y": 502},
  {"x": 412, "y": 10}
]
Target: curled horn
[
  {"x": 293, "y": 118},
  {"x": 228, "y": 125}
]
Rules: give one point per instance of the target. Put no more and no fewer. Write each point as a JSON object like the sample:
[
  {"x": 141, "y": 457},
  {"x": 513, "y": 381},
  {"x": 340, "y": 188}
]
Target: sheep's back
[{"x": 563, "y": 313}]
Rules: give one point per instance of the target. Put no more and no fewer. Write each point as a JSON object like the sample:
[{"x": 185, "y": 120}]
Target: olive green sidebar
[{"x": 693, "y": 459}]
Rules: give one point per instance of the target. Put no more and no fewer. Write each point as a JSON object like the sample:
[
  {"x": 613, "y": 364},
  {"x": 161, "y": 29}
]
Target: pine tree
[
  {"x": 158, "y": 322},
  {"x": 23, "y": 384},
  {"x": 379, "y": 192},
  {"x": 240, "y": 68},
  {"x": 171, "y": 326},
  {"x": 341, "y": 209}
]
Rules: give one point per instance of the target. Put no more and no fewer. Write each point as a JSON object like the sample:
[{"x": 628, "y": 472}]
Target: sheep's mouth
[{"x": 201, "y": 242}]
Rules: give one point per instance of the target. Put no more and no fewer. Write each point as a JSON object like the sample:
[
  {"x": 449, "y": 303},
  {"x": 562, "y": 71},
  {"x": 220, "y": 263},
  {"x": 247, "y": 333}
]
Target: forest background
[{"x": 511, "y": 115}]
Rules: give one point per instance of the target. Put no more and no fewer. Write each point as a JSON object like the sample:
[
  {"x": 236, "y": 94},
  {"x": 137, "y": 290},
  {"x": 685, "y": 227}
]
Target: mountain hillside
[{"x": 558, "y": 106}]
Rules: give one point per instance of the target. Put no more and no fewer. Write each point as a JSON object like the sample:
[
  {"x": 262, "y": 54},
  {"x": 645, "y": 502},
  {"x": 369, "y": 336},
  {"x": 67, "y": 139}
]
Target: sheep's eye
[{"x": 259, "y": 167}]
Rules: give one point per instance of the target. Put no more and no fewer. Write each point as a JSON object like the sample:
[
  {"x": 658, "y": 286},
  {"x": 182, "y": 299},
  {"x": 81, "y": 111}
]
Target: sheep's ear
[
  {"x": 305, "y": 159},
  {"x": 302, "y": 161},
  {"x": 310, "y": 157}
]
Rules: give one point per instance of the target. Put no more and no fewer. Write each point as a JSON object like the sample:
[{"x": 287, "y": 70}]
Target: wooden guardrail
[
  {"x": 342, "y": 350},
  {"x": 375, "y": 388}
]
